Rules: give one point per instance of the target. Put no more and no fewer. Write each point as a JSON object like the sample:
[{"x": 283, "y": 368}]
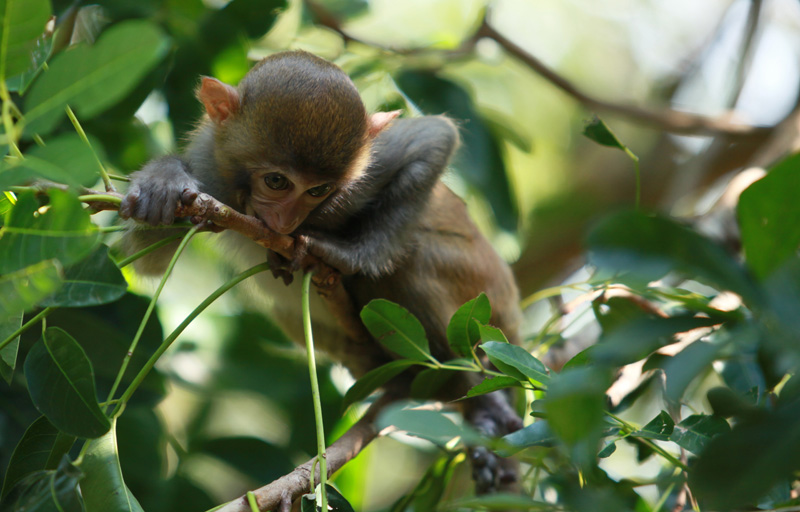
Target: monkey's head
[{"x": 294, "y": 133}]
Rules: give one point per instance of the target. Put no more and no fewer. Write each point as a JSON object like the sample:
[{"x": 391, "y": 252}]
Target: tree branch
[
  {"x": 674, "y": 121},
  {"x": 283, "y": 491},
  {"x": 670, "y": 120}
]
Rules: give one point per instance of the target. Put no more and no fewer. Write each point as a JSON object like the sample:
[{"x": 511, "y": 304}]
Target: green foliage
[
  {"x": 396, "y": 329},
  {"x": 21, "y": 24},
  {"x": 41, "y": 447},
  {"x": 103, "y": 487},
  {"x": 767, "y": 216},
  {"x": 63, "y": 231},
  {"x": 65, "y": 159},
  {"x": 462, "y": 332},
  {"x": 210, "y": 420},
  {"x": 92, "y": 78},
  {"x": 61, "y": 383}
]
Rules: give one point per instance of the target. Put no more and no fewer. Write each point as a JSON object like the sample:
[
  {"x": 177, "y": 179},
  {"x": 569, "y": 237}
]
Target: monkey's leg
[{"x": 492, "y": 416}]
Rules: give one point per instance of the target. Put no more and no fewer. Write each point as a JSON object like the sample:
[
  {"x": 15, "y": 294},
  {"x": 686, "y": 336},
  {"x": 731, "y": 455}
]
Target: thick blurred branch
[
  {"x": 670, "y": 120},
  {"x": 674, "y": 121}
]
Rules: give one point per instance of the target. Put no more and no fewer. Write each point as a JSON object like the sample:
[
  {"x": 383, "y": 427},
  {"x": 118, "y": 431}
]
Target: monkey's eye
[
  {"x": 276, "y": 181},
  {"x": 320, "y": 191}
]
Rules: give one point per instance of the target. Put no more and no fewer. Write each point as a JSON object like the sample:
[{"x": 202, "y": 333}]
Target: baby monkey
[{"x": 294, "y": 146}]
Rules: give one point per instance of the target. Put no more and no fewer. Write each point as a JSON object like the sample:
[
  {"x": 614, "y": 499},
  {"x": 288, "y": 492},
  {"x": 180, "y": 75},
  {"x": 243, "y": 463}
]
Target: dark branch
[{"x": 289, "y": 487}]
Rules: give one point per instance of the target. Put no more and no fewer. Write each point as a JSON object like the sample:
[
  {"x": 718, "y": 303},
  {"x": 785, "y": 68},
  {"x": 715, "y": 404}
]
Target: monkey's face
[{"x": 283, "y": 199}]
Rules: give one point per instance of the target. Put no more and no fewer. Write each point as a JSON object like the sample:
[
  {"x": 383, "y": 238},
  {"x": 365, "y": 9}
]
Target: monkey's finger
[
  {"x": 128, "y": 204},
  {"x": 188, "y": 196}
]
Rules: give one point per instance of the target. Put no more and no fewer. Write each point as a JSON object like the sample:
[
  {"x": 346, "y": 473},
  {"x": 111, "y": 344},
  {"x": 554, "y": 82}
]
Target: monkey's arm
[
  {"x": 152, "y": 197},
  {"x": 375, "y": 214}
]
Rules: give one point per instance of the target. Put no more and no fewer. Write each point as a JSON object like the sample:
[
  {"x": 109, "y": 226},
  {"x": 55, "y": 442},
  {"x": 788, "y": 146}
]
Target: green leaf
[
  {"x": 61, "y": 384},
  {"x": 8, "y": 354},
  {"x": 65, "y": 159},
  {"x": 21, "y": 24},
  {"x": 337, "y": 502},
  {"x": 62, "y": 231},
  {"x": 575, "y": 407},
  {"x": 92, "y": 281},
  {"x": 428, "y": 492},
  {"x": 103, "y": 487},
  {"x": 660, "y": 428},
  {"x": 23, "y": 289},
  {"x": 642, "y": 248},
  {"x": 537, "y": 433},
  {"x": 490, "y": 384},
  {"x": 47, "y": 491},
  {"x": 516, "y": 361},
  {"x": 396, "y": 329},
  {"x": 374, "y": 379},
  {"x": 634, "y": 341},
  {"x": 41, "y": 448},
  {"x": 462, "y": 332},
  {"x": 434, "y": 426},
  {"x": 760, "y": 452},
  {"x": 427, "y": 383},
  {"x": 92, "y": 78},
  {"x": 308, "y": 503},
  {"x": 607, "y": 450},
  {"x": 490, "y": 333},
  {"x": 681, "y": 369},
  {"x": 597, "y": 130},
  {"x": 695, "y": 432},
  {"x": 501, "y": 501},
  {"x": 768, "y": 212}
]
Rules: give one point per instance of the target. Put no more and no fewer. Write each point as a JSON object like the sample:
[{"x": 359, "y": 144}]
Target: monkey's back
[{"x": 449, "y": 263}]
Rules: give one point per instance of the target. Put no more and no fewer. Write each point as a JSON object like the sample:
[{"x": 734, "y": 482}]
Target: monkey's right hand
[{"x": 157, "y": 190}]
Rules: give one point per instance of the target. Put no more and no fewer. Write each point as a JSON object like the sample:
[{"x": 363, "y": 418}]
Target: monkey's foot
[
  {"x": 492, "y": 473},
  {"x": 493, "y": 416}
]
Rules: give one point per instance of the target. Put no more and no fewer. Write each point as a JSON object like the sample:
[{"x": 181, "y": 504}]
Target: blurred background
[{"x": 699, "y": 91}]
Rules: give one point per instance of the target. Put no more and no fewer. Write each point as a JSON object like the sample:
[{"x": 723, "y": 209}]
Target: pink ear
[
  {"x": 380, "y": 120},
  {"x": 221, "y": 100}
]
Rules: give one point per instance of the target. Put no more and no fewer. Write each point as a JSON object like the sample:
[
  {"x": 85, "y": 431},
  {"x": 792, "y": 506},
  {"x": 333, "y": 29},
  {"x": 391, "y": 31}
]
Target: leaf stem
[
  {"x": 315, "y": 395},
  {"x": 627, "y": 428},
  {"x": 82, "y": 134},
  {"x": 150, "y": 307},
  {"x": 147, "y": 250},
  {"x": 251, "y": 500},
  {"x": 100, "y": 197},
  {"x": 24, "y": 327},
  {"x": 632, "y": 156},
  {"x": 548, "y": 292},
  {"x": 178, "y": 330}
]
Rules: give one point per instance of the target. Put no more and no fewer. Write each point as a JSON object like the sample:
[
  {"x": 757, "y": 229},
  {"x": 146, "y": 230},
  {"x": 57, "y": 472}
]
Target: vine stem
[
  {"x": 315, "y": 395},
  {"x": 137, "y": 381},
  {"x": 150, "y": 307},
  {"x": 628, "y": 429},
  {"x": 24, "y": 327},
  {"x": 82, "y": 134}
]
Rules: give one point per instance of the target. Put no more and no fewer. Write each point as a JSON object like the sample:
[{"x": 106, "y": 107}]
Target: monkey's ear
[
  {"x": 221, "y": 100},
  {"x": 380, "y": 120}
]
